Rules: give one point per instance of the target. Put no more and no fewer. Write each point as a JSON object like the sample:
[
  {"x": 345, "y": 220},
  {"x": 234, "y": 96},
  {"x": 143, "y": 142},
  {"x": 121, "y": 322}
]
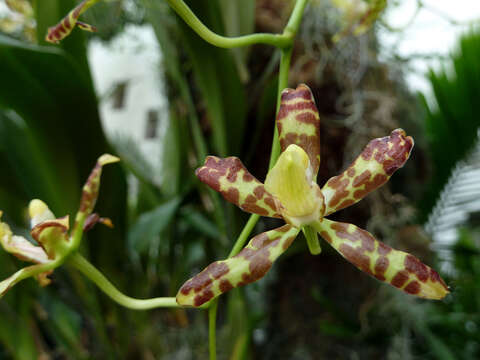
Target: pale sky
[{"x": 430, "y": 33}]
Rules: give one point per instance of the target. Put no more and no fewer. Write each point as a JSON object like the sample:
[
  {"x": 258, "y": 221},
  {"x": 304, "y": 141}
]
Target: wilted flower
[
  {"x": 51, "y": 234},
  {"x": 291, "y": 192}
]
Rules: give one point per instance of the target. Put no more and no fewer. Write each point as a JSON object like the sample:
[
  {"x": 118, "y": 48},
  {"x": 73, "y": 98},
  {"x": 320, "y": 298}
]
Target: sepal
[
  {"x": 20, "y": 247},
  {"x": 397, "y": 268},
  {"x": 91, "y": 188},
  {"x": 298, "y": 123},
  {"x": 370, "y": 170},
  {"x": 231, "y": 179},
  {"x": 249, "y": 265}
]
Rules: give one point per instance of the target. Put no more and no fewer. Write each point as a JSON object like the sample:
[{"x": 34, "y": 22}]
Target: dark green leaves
[{"x": 453, "y": 122}]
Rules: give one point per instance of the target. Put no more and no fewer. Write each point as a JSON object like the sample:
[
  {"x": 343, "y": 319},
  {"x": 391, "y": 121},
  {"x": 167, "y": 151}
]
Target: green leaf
[
  {"x": 64, "y": 324},
  {"x": 239, "y": 19},
  {"x": 52, "y": 136},
  {"x": 218, "y": 80},
  {"x": 15, "y": 334},
  {"x": 172, "y": 151},
  {"x": 25, "y": 162},
  {"x": 197, "y": 220},
  {"x": 452, "y": 122},
  {"x": 150, "y": 224},
  {"x": 61, "y": 115}
]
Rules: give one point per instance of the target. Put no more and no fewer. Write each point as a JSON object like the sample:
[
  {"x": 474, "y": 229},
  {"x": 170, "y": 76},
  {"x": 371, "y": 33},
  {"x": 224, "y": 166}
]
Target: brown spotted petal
[
  {"x": 370, "y": 170},
  {"x": 230, "y": 178},
  {"x": 397, "y": 268},
  {"x": 298, "y": 123},
  {"x": 249, "y": 265}
]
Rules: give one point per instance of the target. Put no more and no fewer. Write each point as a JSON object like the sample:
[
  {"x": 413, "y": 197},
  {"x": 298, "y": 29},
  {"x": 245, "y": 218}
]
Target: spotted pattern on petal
[
  {"x": 230, "y": 177},
  {"x": 298, "y": 123},
  {"x": 379, "y": 260},
  {"x": 370, "y": 170},
  {"x": 249, "y": 265},
  {"x": 60, "y": 31}
]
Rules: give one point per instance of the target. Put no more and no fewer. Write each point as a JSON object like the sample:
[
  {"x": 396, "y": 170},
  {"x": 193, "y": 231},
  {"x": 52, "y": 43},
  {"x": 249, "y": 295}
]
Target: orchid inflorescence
[
  {"x": 291, "y": 192},
  {"x": 55, "y": 244}
]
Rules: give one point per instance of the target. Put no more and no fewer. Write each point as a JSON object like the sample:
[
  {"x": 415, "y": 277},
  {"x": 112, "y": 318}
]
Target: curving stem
[
  {"x": 209, "y": 36},
  {"x": 286, "y": 55},
  {"x": 91, "y": 272}
]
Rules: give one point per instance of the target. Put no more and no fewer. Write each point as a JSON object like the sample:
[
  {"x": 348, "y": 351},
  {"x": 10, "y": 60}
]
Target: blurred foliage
[
  {"x": 452, "y": 122},
  {"x": 222, "y": 102},
  {"x": 457, "y": 321}
]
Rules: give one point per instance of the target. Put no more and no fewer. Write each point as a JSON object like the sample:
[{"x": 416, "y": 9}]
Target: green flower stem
[
  {"x": 243, "y": 237},
  {"x": 90, "y": 271},
  {"x": 76, "y": 238},
  {"x": 295, "y": 19},
  {"x": 222, "y": 41},
  {"x": 312, "y": 240},
  {"x": 212, "y": 327},
  {"x": 284, "y": 70}
]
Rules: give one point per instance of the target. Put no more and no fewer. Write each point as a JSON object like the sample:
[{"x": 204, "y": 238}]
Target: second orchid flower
[{"x": 291, "y": 192}]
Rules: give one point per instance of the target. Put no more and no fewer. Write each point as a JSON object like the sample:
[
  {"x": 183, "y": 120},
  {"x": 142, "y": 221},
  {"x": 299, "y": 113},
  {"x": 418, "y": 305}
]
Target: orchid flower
[
  {"x": 55, "y": 244},
  {"x": 291, "y": 192},
  {"x": 60, "y": 31}
]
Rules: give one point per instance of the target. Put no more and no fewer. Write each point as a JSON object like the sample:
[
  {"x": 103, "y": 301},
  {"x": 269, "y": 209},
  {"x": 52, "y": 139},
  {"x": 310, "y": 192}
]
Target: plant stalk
[
  {"x": 91, "y": 272},
  {"x": 285, "y": 43},
  {"x": 212, "y": 329},
  {"x": 209, "y": 36}
]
